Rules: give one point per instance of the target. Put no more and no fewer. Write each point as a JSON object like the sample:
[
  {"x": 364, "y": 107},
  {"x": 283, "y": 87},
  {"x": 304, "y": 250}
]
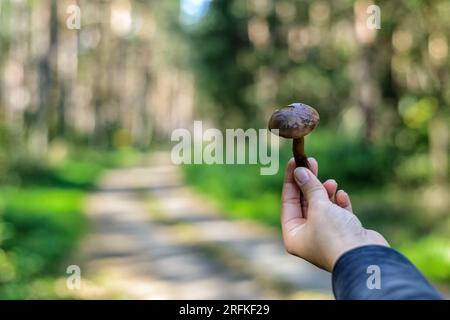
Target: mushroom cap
[{"x": 294, "y": 121}]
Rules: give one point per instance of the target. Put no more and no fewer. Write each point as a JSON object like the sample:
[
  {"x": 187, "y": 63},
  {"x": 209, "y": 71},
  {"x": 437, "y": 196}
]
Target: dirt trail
[{"x": 153, "y": 237}]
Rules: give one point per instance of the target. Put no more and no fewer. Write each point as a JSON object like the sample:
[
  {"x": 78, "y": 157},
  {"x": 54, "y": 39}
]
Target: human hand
[{"x": 321, "y": 227}]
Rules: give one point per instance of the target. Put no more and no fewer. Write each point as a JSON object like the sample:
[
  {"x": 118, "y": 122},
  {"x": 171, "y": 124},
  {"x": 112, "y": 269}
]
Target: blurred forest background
[{"x": 76, "y": 101}]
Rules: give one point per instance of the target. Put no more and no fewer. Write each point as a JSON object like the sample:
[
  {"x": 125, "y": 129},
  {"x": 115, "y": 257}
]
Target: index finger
[{"x": 313, "y": 165}]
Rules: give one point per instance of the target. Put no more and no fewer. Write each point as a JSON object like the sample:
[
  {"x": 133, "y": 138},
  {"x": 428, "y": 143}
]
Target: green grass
[
  {"x": 247, "y": 194},
  {"x": 41, "y": 223},
  {"x": 41, "y": 227},
  {"x": 431, "y": 254}
]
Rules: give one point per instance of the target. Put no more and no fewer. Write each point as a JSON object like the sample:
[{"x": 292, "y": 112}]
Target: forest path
[{"x": 153, "y": 237}]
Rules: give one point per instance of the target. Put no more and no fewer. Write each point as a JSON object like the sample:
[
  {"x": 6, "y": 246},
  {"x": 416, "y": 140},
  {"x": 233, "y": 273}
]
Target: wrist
[{"x": 356, "y": 243}]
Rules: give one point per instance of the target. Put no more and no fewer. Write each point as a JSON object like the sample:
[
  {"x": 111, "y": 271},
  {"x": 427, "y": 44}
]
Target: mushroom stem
[{"x": 298, "y": 149}]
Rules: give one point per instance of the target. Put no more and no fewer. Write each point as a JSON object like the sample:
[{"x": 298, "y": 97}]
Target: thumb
[{"x": 311, "y": 187}]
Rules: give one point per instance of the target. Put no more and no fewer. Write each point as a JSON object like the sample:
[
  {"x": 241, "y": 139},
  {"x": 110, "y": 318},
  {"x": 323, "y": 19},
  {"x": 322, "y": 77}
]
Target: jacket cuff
[{"x": 379, "y": 272}]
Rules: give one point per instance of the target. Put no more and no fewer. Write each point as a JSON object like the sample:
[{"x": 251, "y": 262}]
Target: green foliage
[
  {"x": 72, "y": 174},
  {"x": 247, "y": 194},
  {"x": 431, "y": 255},
  {"x": 43, "y": 225},
  {"x": 352, "y": 162},
  {"x": 41, "y": 221},
  {"x": 222, "y": 43}
]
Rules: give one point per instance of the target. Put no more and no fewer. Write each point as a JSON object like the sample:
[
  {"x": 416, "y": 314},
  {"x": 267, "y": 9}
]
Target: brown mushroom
[{"x": 294, "y": 122}]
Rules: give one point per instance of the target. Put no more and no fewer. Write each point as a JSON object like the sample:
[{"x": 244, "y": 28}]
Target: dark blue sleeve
[{"x": 378, "y": 272}]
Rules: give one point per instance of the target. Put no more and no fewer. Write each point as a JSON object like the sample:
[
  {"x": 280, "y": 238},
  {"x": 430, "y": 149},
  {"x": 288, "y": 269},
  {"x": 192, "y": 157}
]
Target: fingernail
[
  {"x": 301, "y": 175},
  {"x": 343, "y": 193}
]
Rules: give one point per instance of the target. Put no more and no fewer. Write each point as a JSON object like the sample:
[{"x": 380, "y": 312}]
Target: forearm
[{"x": 378, "y": 272}]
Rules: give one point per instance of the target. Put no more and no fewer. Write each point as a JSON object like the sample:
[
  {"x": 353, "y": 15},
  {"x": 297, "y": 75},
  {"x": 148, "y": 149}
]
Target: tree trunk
[{"x": 47, "y": 87}]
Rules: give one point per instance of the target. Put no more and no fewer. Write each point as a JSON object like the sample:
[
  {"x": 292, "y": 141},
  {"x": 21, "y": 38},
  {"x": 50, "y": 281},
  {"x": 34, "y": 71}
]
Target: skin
[{"x": 321, "y": 227}]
